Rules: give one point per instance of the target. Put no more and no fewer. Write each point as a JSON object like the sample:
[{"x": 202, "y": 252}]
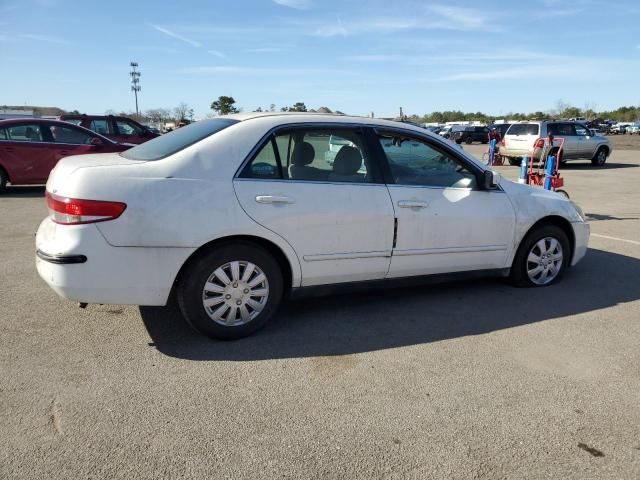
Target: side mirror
[
  {"x": 96, "y": 141},
  {"x": 490, "y": 180}
]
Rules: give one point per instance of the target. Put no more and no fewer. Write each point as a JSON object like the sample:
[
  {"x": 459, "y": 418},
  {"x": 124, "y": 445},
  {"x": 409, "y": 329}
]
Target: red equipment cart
[{"x": 536, "y": 174}]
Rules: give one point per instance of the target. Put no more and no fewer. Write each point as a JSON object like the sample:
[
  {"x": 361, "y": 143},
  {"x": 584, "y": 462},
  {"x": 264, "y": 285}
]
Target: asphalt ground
[{"x": 456, "y": 381}]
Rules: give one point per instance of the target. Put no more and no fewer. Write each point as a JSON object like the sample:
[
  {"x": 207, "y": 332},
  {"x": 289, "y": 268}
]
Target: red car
[
  {"x": 31, "y": 147},
  {"x": 118, "y": 129}
]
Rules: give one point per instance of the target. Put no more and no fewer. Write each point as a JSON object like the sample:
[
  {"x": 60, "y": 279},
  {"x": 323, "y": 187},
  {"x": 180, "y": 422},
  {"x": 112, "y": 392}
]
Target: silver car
[{"x": 530, "y": 138}]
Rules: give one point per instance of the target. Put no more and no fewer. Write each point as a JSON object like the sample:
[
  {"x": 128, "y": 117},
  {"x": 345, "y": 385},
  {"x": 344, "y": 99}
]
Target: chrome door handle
[
  {"x": 273, "y": 199},
  {"x": 412, "y": 204}
]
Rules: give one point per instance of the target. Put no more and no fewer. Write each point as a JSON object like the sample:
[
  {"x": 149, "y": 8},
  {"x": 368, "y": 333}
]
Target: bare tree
[{"x": 183, "y": 112}]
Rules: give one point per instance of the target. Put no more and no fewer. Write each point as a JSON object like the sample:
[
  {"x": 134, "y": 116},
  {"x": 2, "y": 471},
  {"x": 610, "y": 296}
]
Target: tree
[
  {"x": 259, "y": 109},
  {"x": 224, "y": 105},
  {"x": 183, "y": 112},
  {"x": 272, "y": 107},
  {"x": 297, "y": 107}
]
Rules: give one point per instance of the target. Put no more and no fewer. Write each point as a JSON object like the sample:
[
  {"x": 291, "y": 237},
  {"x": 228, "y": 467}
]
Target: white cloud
[
  {"x": 217, "y": 53},
  {"x": 43, "y": 38},
  {"x": 172, "y": 34},
  {"x": 297, "y": 4}
]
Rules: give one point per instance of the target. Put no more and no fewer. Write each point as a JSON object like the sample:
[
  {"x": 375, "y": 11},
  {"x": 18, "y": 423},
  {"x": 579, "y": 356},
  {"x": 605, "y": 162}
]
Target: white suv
[{"x": 527, "y": 138}]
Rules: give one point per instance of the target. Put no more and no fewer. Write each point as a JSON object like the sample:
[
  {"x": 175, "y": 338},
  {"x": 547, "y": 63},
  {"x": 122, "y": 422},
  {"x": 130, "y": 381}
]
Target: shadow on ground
[
  {"x": 378, "y": 320},
  {"x": 588, "y": 166},
  {"x": 23, "y": 192}
]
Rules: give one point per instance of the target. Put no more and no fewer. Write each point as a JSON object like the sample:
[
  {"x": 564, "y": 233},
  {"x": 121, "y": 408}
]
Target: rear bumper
[
  {"x": 581, "y": 232},
  {"x": 78, "y": 264}
]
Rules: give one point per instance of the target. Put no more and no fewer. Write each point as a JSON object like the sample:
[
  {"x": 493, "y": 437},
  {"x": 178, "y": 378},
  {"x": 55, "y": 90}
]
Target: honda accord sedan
[{"x": 234, "y": 214}]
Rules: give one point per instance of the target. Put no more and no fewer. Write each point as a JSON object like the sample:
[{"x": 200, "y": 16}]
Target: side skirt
[{"x": 338, "y": 288}]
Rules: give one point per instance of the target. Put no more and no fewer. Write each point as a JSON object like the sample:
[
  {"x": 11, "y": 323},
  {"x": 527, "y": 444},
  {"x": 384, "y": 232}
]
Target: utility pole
[{"x": 135, "y": 83}]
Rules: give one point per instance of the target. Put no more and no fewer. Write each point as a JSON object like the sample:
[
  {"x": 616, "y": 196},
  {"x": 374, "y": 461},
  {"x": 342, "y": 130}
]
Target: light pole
[{"x": 135, "y": 83}]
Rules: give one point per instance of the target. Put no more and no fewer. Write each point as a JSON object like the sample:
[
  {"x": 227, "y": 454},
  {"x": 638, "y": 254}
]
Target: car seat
[
  {"x": 346, "y": 165},
  {"x": 303, "y": 154}
]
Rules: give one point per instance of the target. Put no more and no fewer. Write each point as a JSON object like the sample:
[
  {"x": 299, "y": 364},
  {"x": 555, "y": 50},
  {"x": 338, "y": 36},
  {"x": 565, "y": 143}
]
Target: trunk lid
[{"x": 67, "y": 166}]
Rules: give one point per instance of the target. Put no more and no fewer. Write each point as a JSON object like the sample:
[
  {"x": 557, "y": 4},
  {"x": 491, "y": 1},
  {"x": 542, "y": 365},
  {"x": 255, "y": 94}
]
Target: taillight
[
  {"x": 539, "y": 143},
  {"x": 75, "y": 211}
]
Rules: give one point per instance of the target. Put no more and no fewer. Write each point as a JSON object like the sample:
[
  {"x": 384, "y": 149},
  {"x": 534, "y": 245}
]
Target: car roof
[{"x": 279, "y": 118}]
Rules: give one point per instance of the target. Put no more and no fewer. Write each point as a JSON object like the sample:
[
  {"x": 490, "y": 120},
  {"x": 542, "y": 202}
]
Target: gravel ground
[{"x": 457, "y": 381}]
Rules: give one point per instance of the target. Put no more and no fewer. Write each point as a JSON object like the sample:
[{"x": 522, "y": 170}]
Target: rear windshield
[
  {"x": 170, "y": 143},
  {"x": 523, "y": 129}
]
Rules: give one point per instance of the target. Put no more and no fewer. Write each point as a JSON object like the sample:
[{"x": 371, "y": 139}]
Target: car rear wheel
[
  {"x": 600, "y": 157},
  {"x": 542, "y": 257},
  {"x": 4, "y": 178},
  {"x": 468, "y": 140},
  {"x": 231, "y": 291}
]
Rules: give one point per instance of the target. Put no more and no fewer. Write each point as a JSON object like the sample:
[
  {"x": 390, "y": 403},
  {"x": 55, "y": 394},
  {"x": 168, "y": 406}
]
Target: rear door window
[
  {"x": 25, "y": 132},
  {"x": 126, "y": 127},
  {"x": 524, "y": 129},
  {"x": 100, "y": 126}
]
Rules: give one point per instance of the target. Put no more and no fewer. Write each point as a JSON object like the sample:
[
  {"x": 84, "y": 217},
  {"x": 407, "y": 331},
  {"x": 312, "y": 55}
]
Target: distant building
[{"x": 5, "y": 114}]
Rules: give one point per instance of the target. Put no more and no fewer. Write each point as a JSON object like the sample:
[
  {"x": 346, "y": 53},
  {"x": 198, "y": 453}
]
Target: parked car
[
  {"x": 469, "y": 134},
  {"x": 526, "y": 137},
  {"x": 265, "y": 217},
  {"x": 118, "y": 129},
  {"x": 445, "y": 131},
  {"x": 31, "y": 147},
  {"x": 618, "y": 129},
  {"x": 634, "y": 129}
]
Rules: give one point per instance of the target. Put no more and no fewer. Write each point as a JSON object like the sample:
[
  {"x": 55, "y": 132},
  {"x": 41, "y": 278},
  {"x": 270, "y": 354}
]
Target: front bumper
[
  {"x": 581, "y": 232},
  {"x": 79, "y": 264}
]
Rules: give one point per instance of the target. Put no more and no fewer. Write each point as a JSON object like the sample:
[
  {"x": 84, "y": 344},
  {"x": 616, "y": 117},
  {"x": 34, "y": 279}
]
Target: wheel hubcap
[
  {"x": 235, "y": 293},
  {"x": 544, "y": 261}
]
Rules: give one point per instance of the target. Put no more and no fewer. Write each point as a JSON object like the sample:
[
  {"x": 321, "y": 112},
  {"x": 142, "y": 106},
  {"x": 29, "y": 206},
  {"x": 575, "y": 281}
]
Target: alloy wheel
[{"x": 544, "y": 261}]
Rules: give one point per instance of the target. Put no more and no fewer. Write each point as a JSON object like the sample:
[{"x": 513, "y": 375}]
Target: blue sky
[{"x": 353, "y": 55}]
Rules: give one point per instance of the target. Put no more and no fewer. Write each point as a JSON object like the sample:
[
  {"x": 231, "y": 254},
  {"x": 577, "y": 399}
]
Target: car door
[
  {"x": 445, "y": 222},
  {"x": 585, "y": 145},
  {"x": 68, "y": 140},
  {"x": 319, "y": 189},
  {"x": 565, "y": 131},
  {"x": 24, "y": 153}
]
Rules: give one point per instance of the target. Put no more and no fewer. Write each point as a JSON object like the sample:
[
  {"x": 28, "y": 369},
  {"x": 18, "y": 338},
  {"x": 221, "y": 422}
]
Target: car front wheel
[
  {"x": 231, "y": 291},
  {"x": 542, "y": 257}
]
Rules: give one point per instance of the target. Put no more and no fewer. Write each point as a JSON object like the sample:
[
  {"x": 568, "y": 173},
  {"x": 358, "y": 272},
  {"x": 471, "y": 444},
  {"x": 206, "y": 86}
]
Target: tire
[
  {"x": 468, "y": 140},
  {"x": 459, "y": 141},
  {"x": 233, "y": 321},
  {"x": 530, "y": 248},
  {"x": 4, "y": 178},
  {"x": 600, "y": 158},
  {"x": 515, "y": 162}
]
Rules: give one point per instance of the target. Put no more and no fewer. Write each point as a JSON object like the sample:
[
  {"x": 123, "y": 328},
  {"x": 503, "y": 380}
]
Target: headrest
[
  {"x": 303, "y": 154},
  {"x": 348, "y": 161}
]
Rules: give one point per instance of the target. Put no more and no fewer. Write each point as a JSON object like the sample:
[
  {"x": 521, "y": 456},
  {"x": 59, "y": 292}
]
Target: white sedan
[{"x": 235, "y": 213}]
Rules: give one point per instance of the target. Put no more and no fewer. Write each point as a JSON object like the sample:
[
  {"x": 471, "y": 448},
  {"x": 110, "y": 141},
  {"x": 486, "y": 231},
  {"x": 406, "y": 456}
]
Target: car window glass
[
  {"x": 75, "y": 121},
  {"x": 414, "y": 162},
  {"x": 581, "y": 131},
  {"x": 99, "y": 126},
  {"x": 3, "y": 134},
  {"x": 24, "y": 133},
  {"x": 62, "y": 134},
  {"x": 264, "y": 165},
  {"x": 562, "y": 129},
  {"x": 172, "y": 142},
  {"x": 523, "y": 129},
  {"x": 128, "y": 128}
]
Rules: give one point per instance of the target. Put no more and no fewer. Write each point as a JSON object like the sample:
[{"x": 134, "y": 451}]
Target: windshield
[
  {"x": 177, "y": 140},
  {"x": 523, "y": 129}
]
